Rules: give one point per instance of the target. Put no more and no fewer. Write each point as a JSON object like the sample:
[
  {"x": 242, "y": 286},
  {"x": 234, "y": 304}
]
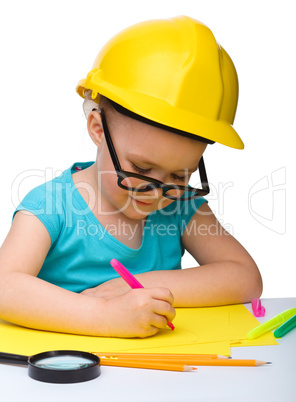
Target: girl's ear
[{"x": 95, "y": 128}]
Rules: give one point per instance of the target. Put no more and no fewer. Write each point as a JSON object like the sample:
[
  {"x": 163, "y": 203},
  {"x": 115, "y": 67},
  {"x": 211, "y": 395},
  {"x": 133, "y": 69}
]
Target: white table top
[{"x": 275, "y": 382}]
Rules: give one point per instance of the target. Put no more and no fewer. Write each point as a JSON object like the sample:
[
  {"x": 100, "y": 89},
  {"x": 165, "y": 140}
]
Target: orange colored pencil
[
  {"x": 118, "y": 360},
  {"x": 153, "y": 365},
  {"x": 170, "y": 360},
  {"x": 230, "y": 362},
  {"x": 159, "y": 356}
]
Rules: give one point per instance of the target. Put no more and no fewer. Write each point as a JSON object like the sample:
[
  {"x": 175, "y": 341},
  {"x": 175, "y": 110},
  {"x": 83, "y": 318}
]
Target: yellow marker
[{"x": 271, "y": 324}]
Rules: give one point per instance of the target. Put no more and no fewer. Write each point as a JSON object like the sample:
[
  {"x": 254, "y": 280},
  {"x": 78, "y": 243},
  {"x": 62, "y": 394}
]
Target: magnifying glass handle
[{"x": 13, "y": 359}]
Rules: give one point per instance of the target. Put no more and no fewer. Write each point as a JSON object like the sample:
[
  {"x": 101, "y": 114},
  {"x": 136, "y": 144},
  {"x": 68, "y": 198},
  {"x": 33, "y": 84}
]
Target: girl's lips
[{"x": 141, "y": 202}]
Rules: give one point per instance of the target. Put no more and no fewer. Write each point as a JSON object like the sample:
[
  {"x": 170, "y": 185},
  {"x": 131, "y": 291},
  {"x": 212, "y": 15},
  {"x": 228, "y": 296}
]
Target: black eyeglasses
[{"x": 138, "y": 183}]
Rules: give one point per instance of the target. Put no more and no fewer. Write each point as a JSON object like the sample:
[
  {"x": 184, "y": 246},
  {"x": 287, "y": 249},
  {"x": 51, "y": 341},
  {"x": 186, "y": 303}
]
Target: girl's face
[{"x": 149, "y": 151}]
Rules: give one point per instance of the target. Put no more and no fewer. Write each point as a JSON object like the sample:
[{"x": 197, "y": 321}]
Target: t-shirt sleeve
[
  {"x": 42, "y": 202},
  {"x": 188, "y": 209}
]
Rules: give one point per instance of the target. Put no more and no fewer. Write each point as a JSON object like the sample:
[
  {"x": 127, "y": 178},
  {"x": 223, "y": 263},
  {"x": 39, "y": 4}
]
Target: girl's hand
[
  {"x": 107, "y": 290},
  {"x": 139, "y": 312}
]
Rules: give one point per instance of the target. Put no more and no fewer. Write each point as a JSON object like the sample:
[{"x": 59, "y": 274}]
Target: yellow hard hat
[{"x": 171, "y": 72}]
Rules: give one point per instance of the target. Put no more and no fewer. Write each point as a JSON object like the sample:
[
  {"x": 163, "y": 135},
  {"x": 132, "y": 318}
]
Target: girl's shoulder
[
  {"x": 54, "y": 188},
  {"x": 49, "y": 201}
]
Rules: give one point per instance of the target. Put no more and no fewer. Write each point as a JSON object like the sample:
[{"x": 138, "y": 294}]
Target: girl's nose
[{"x": 154, "y": 193}]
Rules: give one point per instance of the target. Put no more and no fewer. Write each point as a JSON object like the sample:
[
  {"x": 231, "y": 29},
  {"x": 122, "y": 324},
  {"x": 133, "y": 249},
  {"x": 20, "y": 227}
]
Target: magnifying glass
[{"x": 60, "y": 366}]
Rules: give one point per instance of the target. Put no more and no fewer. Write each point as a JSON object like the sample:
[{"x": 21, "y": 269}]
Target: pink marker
[
  {"x": 129, "y": 279},
  {"x": 258, "y": 310}
]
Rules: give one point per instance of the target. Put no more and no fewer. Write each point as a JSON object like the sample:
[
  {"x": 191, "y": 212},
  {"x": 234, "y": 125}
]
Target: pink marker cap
[{"x": 258, "y": 309}]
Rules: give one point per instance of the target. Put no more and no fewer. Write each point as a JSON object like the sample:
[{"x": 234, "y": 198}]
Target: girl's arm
[
  {"x": 227, "y": 274},
  {"x": 29, "y": 301}
]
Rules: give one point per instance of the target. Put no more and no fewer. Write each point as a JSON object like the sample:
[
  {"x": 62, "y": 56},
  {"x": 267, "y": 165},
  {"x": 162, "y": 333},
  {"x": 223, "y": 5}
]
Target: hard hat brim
[{"x": 165, "y": 114}]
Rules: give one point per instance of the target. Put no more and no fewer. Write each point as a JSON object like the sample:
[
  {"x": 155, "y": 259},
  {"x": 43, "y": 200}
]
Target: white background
[{"x": 47, "y": 47}]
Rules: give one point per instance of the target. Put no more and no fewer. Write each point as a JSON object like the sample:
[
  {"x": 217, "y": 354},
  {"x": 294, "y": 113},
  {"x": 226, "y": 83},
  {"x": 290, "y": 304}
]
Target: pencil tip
[
  {"x": 260, "y": 363},
  {"x": 189, "y": 368}
]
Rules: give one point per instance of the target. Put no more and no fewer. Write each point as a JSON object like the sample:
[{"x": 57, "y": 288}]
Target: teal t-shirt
[{"x": 81, "y": 248}]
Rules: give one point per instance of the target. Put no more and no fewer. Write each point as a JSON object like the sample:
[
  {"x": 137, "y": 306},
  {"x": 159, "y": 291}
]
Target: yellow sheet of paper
[
  {"x": 198, "y": 330},
  {"x": 193, "y": 326},
  {"x": 219, "y": 348},
  {"x": 241, "y": 322}
]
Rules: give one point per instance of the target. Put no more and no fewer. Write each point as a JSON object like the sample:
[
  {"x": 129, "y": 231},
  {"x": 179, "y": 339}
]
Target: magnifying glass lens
[{"x": 65, "y": 362}]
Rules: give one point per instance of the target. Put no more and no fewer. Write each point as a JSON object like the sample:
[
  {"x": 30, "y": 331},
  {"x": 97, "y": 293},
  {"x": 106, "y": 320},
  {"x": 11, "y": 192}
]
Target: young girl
[{"x": 158, "y": 94}]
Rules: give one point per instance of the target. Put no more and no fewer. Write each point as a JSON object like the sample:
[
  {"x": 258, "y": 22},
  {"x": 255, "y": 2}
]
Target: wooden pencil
[
  {"x": 159, "y": 356},
  {"x": 152, "y": 365},
  {"x": 230, "y": 362},
  {"x": 178, "y": 360},
  {"x": 117, "y": 361}
]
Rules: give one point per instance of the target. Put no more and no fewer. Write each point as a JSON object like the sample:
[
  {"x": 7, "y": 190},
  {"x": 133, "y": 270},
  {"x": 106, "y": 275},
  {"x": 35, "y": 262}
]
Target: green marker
[
  {"x": 271, "y": 324},
  {"x": 286, "y": 327}
]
